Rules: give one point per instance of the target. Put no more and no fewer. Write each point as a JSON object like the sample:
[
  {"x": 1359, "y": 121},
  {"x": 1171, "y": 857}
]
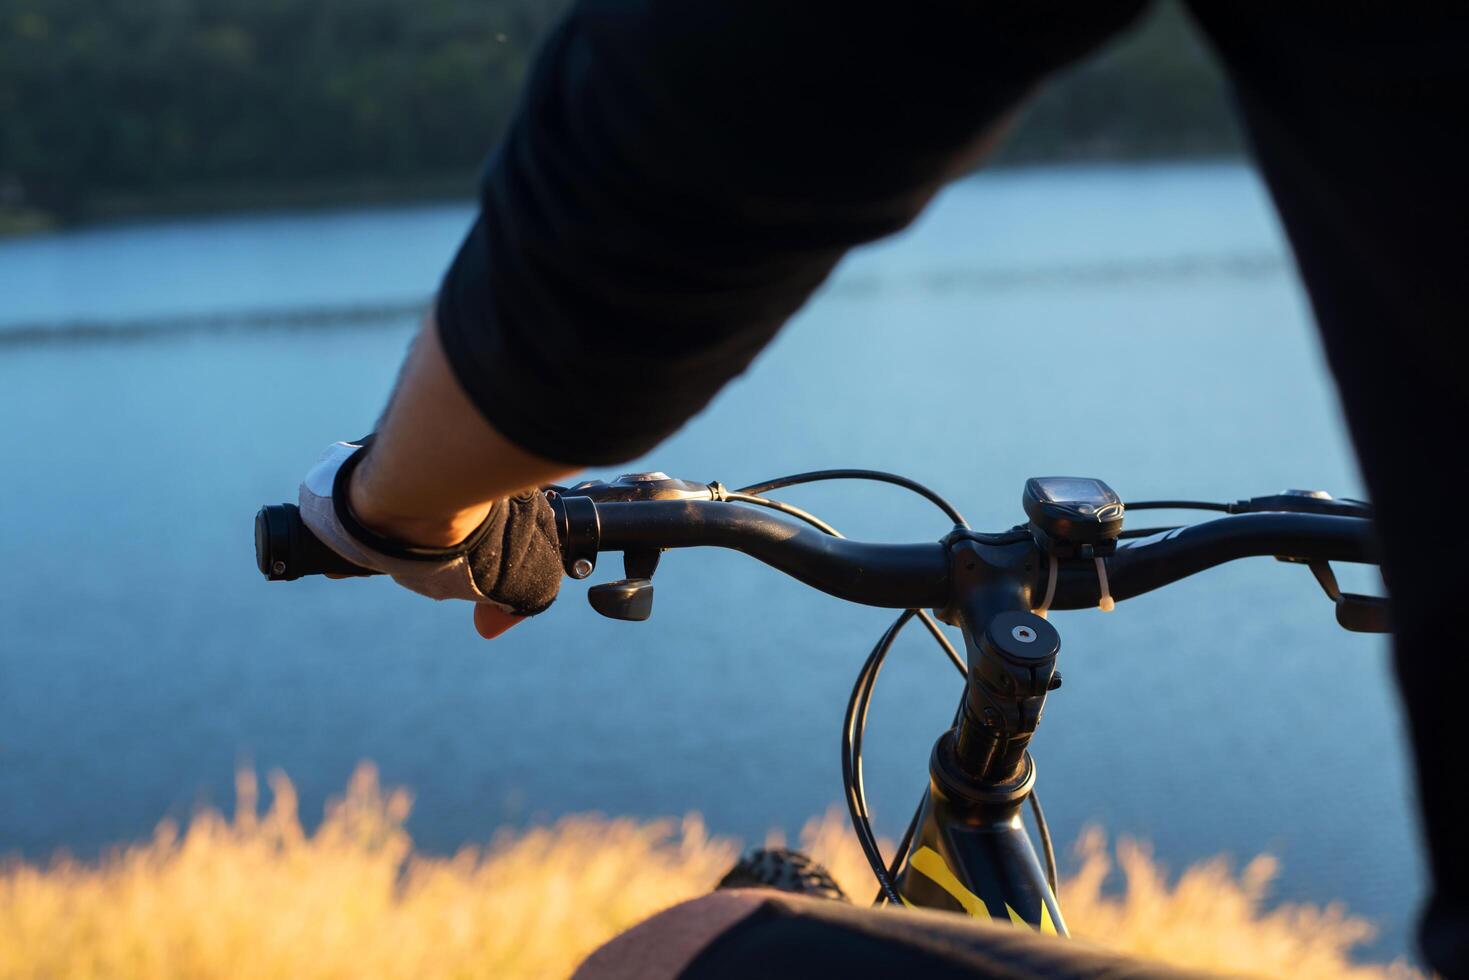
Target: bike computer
[{"x": 1072, "y": 510}]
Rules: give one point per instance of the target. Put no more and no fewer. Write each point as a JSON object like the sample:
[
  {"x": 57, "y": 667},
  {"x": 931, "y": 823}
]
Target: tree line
[{"x": 133, "y": 106}]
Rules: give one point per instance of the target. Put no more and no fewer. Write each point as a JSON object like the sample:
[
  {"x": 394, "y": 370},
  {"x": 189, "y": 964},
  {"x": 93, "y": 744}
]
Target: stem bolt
[{"x": 581, "y": 568}]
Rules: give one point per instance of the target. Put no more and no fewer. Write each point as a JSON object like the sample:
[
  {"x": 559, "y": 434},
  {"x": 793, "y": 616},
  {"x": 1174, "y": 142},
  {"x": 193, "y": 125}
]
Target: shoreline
[{"x": 224, "y": 201}]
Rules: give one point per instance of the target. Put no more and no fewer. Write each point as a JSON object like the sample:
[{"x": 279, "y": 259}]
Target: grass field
[{"x": 257, "y": 897}]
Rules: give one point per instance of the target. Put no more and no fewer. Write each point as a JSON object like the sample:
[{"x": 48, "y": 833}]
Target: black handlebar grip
[{"x": 285, "y": 548}]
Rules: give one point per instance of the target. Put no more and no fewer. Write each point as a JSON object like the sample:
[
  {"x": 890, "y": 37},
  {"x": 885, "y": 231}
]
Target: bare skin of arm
[{"x": 437, "y": 467}]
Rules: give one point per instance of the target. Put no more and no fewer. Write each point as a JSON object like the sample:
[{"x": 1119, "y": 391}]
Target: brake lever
[
  {"x": 628, "y": 599},
  {"x": 1358, "y": 613}
]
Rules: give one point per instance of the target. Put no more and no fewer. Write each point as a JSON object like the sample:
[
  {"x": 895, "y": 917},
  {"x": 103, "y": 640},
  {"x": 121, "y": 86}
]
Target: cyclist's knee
[
  {"x": 772, "y": 934},
  {"x": 666, "y": 944}
]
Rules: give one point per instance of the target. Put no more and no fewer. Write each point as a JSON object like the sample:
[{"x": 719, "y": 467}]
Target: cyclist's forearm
[{"x": 436, "y": 465}]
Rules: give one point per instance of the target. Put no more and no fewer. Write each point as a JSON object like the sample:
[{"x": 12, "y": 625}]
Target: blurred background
[{"x": 221, "y": 220}]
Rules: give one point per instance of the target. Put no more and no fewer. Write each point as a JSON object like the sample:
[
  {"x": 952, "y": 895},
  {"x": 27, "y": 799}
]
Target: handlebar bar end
[{"x": 285, "y": 548}]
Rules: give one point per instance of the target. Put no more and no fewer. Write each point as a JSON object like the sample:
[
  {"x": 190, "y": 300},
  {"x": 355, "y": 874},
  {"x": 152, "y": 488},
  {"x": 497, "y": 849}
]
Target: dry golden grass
[{"x": 256, "y": 897}]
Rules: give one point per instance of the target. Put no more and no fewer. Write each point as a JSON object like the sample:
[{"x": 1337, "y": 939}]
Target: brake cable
[
  {"x": 852, "y": 728},
  {"x": 1180, "y": 505},
  {"x": 749, "y": 498},
  {"x": 878, "y": 476}
]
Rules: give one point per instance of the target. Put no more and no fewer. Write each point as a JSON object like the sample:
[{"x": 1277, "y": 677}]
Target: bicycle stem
[
  {"x": 970, "y": 848},
  {"x": 1011, "y": 654}
]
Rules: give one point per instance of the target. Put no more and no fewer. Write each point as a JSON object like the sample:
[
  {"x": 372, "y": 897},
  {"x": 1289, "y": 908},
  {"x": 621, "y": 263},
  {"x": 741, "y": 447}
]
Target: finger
[{"x": 491, "y": 621}]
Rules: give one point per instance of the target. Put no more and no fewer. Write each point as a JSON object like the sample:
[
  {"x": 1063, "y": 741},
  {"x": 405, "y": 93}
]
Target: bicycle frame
[{"x": 975, "y": 857}]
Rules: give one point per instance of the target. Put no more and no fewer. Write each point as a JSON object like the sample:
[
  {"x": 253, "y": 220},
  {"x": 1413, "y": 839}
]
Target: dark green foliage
[
  {"x": 111, "y": 106},
  {"x": 104, "y": 99},
  {"x": 1154, "y": 92}
]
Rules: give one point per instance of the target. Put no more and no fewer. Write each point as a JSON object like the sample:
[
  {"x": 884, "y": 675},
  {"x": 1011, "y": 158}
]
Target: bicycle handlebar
[
  {"x": 895, "y": 576},
  {"x": 1145, "y": 564},
  {"x": 898, "y": 576},
  {"x": 991, "y": 586}
]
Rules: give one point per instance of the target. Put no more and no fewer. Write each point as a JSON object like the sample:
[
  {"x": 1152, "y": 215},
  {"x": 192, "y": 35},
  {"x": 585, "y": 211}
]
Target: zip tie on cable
[
  {"x": 1105, "y": 603},
  {"x": 1050, "y": 589}
]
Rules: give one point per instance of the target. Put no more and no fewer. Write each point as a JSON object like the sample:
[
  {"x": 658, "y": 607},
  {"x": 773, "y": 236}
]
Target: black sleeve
[
  {"x": 1345, "y": 109},
  {"x": 682, "y": 174}
]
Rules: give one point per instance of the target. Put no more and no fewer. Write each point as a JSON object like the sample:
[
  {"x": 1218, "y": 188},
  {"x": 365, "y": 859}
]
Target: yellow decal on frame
[{"x": 928, "y": 862}]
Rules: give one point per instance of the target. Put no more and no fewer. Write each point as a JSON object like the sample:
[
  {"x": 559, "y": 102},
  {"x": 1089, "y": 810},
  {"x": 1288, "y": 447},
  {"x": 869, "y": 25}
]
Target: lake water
[{"x": 1143, "y": 325}]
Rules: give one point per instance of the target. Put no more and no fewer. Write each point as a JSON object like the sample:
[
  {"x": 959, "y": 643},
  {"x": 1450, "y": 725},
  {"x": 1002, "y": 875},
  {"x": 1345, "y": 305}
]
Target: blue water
[{"x": 1144, "y": 325}]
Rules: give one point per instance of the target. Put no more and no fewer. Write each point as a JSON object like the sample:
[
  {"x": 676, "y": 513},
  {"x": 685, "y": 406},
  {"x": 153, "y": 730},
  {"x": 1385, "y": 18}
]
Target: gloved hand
[{"x": 511, "y": 562}]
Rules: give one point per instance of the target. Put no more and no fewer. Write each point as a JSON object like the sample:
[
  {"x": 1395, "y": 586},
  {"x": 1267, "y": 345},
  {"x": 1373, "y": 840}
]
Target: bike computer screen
[{"x": 1073, "y": 509}]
